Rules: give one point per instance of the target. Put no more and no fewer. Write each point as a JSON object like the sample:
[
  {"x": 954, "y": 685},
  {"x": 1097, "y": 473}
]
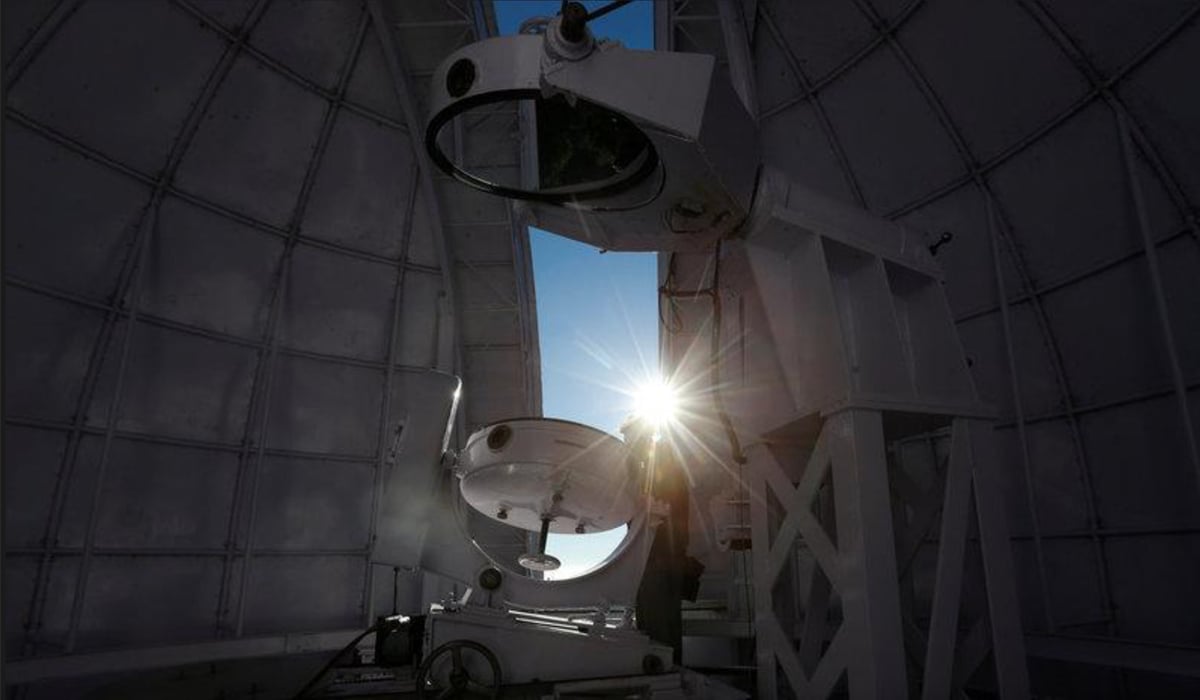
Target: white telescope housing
[{"x": 624, "y": 150}]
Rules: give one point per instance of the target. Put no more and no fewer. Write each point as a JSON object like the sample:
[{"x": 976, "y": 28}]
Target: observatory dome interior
[{"x": 239, "y": 295}]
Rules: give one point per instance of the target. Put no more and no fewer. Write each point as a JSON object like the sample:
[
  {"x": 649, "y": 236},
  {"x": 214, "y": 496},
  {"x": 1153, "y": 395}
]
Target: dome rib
[
  {"x": 256, "y": 430},
  {"x": 130, "y": 280}
]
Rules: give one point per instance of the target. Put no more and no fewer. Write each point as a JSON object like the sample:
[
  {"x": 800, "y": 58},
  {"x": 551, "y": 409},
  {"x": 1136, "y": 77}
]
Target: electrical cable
[
  {"x": 325, "y": 669},
  {"x": 735, "y": 446},
  {"x": 668, "y": 291},
  {"x": 618, "y": 4}
]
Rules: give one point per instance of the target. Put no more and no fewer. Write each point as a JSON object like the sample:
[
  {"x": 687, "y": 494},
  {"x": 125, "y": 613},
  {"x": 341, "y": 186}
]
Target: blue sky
[
  {"x": 632, "y": 25},
  {"x": 597, "y": 312}
]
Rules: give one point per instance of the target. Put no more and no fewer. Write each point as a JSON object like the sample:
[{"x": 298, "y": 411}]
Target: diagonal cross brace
[{"x": 800, "y": 521}]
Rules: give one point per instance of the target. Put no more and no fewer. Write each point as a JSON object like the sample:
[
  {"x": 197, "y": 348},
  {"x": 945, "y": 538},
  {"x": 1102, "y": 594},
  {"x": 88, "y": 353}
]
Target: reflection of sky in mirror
[{"x": 597, "y": 313}]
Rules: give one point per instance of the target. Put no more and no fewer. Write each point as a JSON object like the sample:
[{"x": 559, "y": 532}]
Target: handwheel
[{"x": 458, "y": 683}]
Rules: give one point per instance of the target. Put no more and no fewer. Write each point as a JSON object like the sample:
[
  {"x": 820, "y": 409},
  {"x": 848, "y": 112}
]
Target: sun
[{"x": 656, "y": 403}]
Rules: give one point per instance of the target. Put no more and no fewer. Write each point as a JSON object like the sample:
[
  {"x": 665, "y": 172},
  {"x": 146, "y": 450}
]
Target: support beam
[
  {"x": 947, "y": 589},
  {"x": 870, "y": 596},
  {"x": 737, "y": 49},
  {"x": 1004, "y": 610}
]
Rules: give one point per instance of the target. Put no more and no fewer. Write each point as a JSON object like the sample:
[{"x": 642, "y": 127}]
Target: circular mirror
[
  {"x": 553, "y": 495},
  {"x": 579, "y": 150}
]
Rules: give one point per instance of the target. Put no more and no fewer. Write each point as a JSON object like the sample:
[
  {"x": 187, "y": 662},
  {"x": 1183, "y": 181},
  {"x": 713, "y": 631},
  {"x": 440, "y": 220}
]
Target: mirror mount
[{"x": 635, "y": 150}]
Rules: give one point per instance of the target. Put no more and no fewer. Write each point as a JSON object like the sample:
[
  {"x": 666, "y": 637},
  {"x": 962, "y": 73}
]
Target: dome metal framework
[{"x": 228, "y": 266}]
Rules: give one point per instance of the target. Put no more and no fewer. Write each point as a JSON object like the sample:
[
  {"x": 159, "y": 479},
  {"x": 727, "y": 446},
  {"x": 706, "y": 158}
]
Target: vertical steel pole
[
  {"x": 947, "y": 587},
  {"x": 870, "y": 587},
  {"x": 1004, "y": 612}
]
